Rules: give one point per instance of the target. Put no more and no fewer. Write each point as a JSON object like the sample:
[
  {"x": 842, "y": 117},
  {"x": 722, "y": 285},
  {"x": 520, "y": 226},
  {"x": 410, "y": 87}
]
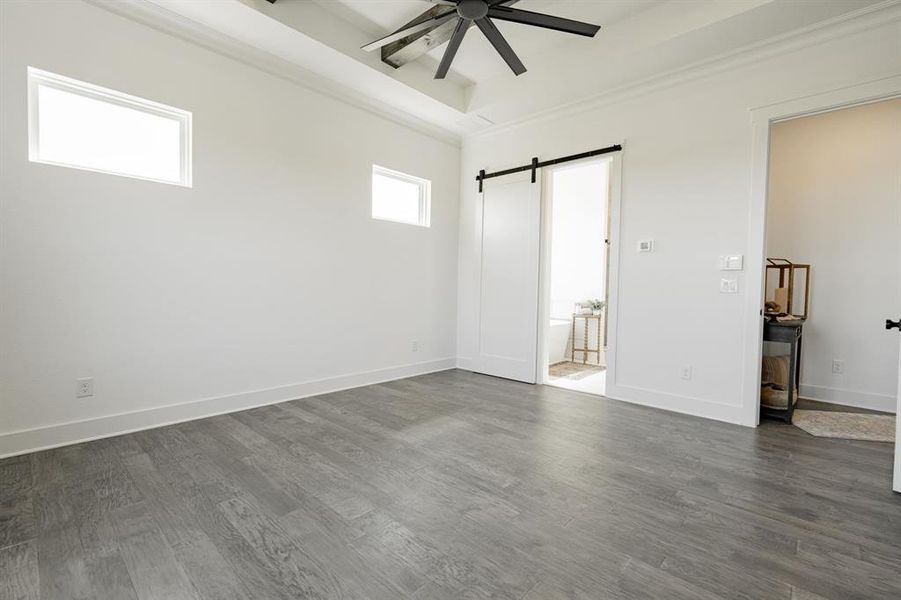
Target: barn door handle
[{"x": 889, "y": 324}]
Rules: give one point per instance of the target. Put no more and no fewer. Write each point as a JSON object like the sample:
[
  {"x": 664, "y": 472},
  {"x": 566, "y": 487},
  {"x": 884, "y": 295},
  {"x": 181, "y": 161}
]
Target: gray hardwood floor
[{"x": 452, "y": 485}]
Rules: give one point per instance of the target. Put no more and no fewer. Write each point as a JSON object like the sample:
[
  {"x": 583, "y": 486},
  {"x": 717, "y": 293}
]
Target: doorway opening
[
  {"x": 833, "y": 272},
  {"x": 576, "y": 211}
]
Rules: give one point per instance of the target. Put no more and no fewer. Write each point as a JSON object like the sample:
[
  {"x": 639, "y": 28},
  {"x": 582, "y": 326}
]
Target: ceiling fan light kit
[{"x": 482, "y": 13}]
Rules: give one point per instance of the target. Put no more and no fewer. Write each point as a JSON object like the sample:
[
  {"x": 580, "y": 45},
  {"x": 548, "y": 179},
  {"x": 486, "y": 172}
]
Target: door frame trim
[
  {"x": 614, "y": 206},
  {"x": 762, "y": 118}
]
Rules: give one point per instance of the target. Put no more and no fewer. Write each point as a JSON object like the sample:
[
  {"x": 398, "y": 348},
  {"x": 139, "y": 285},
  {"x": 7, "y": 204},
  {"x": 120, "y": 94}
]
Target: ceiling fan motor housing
[{"x": 472, "y": 9}]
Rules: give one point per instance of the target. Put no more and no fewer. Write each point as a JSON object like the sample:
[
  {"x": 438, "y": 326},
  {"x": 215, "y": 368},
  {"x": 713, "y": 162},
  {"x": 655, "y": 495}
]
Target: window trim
[
  {"x": 425, "y": 195},
  {"x": 38, "y": 77}
]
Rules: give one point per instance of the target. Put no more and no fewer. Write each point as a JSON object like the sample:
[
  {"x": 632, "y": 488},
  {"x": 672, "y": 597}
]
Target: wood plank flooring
[{"x": 453, "y": 485}]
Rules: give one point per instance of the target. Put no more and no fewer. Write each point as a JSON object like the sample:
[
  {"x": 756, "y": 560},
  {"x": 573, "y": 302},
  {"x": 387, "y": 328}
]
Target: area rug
[
  {"x": 848, "y": 426},
  {"x": 571, "y": 370}
]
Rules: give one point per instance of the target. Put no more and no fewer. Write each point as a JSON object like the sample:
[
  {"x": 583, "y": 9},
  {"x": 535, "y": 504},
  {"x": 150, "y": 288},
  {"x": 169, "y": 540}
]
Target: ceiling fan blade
[
  {"x": 443, "y": 2},
  {"x": 402, "y": 33},
  {"x": 500, "y": 44},
  {"x": 515, "y": 15},
  {"x": 452, "y": 46}
]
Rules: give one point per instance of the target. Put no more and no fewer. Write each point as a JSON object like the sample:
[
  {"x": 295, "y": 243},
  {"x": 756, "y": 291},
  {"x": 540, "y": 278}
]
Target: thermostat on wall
[{"x": 646, "y": 246}]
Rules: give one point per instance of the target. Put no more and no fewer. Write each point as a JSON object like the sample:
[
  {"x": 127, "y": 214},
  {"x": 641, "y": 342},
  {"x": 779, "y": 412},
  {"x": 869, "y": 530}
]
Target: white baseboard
[
  {"x": 63, "y": 434},
  {"x": 465, "y": 363},
  {"x": 707, "y": 409},
  {"x": 881, "y": 402},
  {"x": 696, "y": 407}
]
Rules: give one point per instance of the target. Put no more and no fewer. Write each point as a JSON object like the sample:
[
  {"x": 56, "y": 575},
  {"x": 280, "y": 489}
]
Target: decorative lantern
[{"x": 790, "y": 278}]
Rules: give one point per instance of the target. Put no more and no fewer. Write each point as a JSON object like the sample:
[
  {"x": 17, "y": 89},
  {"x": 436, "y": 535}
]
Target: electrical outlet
[
  {"x": 685, "y": 372},
  {"x": 84, "y": 387},
  {"x": 838, "y": 366},
  {"x": 415, "y": 346}
]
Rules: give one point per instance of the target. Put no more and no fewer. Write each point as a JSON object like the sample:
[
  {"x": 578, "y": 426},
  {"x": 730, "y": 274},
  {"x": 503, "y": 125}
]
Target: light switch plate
[
  {"x": 732, "y": 262},
  {"x": 646, "y": 245},
  {"x": 728, "y": 286}
]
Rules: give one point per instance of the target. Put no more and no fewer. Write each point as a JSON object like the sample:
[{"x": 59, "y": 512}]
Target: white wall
[
  {"x": 686, "y": 184},
  {"x": 835, "y": 202},
  {"x": 265, "y": 281}
]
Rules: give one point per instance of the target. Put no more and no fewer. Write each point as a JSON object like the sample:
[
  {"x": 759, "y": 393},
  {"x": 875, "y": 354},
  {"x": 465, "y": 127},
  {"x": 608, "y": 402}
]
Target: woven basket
[
  {"x": 774, "y": 382},
  {"x": 773, "y": 396}
]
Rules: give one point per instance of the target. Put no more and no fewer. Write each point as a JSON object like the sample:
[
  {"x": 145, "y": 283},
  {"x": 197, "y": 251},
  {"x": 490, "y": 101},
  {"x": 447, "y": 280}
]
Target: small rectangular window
[
  {"x": 84, "y": 126},
  {"x": 399, "y": 197}
]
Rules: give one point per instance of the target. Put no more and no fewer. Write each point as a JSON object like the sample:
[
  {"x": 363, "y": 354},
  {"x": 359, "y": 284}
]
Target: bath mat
[
  {"x": 848, "y": 426},
  {"x": 571, "y": 370}
]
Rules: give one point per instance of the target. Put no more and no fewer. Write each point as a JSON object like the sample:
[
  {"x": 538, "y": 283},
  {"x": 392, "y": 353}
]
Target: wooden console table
[{"x": 586, "y": 349}]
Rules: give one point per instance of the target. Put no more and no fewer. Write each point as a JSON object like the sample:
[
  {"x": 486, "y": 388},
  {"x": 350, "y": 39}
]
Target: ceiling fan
[{"x": 481, "y": 12}]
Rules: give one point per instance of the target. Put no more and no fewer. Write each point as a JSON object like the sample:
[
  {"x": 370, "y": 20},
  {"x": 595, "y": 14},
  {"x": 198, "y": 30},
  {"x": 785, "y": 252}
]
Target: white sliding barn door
[{"x": 508, "y": 303}]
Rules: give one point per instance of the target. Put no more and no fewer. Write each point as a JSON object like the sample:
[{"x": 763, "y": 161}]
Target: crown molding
[
  {"x": 869, "y": 17},
  {"x": 168, "y": 22}
]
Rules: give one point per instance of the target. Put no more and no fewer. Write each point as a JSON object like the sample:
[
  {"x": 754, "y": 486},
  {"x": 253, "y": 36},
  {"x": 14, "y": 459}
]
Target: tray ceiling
[{"x": 640, "y": 40}]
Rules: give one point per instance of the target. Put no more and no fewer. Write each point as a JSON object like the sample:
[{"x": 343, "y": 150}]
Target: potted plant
[{"x": 596, "y": 306}]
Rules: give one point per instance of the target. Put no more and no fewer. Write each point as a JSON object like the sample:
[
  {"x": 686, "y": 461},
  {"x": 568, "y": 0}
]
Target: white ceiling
[{"x": 640, "y": 40}]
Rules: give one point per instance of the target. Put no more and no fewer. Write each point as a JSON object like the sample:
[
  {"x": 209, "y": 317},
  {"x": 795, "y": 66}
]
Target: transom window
[
  {"x": 400, "y": 197},
  {"x": 83, "y": 126}
]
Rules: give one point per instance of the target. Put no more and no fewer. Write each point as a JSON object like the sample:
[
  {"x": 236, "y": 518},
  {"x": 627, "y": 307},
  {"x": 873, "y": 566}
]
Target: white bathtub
[{"x": 558, "y": 340}]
